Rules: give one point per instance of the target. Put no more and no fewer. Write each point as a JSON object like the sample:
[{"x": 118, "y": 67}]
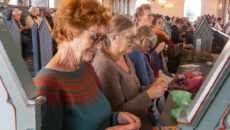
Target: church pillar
[{"x": 225, "y": 10}]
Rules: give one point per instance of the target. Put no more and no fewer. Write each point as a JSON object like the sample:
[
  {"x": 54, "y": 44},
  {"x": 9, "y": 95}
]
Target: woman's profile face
[
  {"x": 125, "y": 41},
  {"x": 159, "y": 24},
  {"x": 88, "y": 42}
]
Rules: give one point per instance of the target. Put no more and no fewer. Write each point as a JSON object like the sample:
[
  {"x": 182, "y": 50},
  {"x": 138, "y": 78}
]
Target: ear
[
  {"x": 142, "y": 39},
  {"x": 139, "y": 18},
  {"x": 70, "y": 35}
]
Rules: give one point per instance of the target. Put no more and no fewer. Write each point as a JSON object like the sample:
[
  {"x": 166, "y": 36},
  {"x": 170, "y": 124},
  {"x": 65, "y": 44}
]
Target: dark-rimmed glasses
[
  {"x": 160, "y": 22},
  {"x": 132, "y": 39},
  {"x": 96, "y": 37}
]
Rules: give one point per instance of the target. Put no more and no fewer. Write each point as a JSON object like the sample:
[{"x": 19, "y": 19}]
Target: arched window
[
  {"x": 51, "y": 3},
  {"x": 192, "y": 9},
  {"x": 13, "y": 2},
  {"x": 40, "y": 3},
  {"x": 140, "y": 2}
]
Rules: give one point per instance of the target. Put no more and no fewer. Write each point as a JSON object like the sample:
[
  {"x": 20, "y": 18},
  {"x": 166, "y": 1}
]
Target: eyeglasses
[
  {"x": 160, "y": 22},
  {"x": 132, "y": 39},
  {"x": 96, "y": 37}
]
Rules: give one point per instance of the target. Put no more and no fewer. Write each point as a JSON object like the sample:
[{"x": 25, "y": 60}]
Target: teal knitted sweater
[{"x": 75, "y": 100}]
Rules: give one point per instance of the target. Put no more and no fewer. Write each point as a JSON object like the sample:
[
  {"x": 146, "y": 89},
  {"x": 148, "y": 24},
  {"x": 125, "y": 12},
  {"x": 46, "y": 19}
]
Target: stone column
[{"x": 226, "y": 14}]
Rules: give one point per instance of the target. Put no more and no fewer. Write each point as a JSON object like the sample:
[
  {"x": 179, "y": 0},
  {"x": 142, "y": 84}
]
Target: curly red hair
[{"x": 77, "y": 15}]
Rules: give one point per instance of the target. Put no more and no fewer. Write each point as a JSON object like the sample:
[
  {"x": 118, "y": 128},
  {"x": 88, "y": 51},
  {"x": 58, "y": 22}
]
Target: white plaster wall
[
  {"x": 209, "y": 7},
  {"x": 176, "y": 10},
  {"x": 56, "y": 3},
  {"x": 132, "y": 4}
]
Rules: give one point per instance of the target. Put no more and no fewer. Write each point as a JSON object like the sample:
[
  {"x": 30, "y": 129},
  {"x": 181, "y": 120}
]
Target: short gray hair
[
  {"x": 16, "y": 12},
  {"x": 33, "y": 7}
]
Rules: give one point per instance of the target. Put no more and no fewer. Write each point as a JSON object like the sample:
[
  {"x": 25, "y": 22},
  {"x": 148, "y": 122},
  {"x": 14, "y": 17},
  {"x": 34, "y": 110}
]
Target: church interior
[{"x": 114, "y": 64}]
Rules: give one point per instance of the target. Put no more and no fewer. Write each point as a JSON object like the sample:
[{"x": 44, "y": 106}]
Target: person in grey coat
[{"x": 117, "y": 73}]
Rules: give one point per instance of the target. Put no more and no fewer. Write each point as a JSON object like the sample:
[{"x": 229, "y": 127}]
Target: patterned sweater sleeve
[
  {"x": 113, "y": 118},
  {"x": 52, "y": 109}
]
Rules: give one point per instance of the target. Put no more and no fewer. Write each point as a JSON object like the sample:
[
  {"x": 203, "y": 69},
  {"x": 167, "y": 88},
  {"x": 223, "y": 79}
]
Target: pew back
[
  {"x": 20, "y": 100},
  {"x": 36, "y": 48},
  {"x": 220, "y": 40},
  {"x": 46, "y": 42},
  {"x": 16, "y": 34},
  {"x": 167, "y": 29},
  {"x": 210, "y": 109},
  {"x": 203, "y": 32}
]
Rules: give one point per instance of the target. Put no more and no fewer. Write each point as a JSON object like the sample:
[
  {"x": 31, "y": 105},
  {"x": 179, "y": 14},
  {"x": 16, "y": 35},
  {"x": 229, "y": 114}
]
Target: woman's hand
[
  {"x": 127, "y": 118},
  {"x": 158, "y": 88},
  {"x": 25, "y": 27},
  {"x": 127, "y": 121},
  {"x": 123, "y": 127},
  {"x": 160, "y": 47}
]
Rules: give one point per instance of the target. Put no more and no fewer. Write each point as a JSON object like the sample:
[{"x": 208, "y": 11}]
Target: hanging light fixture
[
  {"x": 169, "y": 5},
  {"x": 162, "y": 3},
  {"x": 220, "y": 6}
]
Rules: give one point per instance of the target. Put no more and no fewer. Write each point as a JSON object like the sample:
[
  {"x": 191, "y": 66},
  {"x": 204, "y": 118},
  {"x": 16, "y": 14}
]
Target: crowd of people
[
  {"x": 25, "y": 21},
  {"x": 109, "y": 72}
]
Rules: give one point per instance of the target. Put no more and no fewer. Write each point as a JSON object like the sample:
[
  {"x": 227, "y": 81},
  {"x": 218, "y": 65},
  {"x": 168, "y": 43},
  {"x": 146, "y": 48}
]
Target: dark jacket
[{"x": 175, "y": 35}]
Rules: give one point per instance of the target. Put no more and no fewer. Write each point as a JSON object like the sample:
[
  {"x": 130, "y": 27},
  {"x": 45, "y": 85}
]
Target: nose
[{"x": 133, "y": 42}]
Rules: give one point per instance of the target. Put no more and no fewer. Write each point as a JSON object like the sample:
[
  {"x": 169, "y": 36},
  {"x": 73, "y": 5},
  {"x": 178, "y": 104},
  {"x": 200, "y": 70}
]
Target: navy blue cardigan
[{"x": 142, "y": 67}]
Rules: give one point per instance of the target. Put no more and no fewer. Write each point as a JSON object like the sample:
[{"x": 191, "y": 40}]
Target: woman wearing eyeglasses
[
  {"x": 170, "y": 56},
  {"x": 143, "y": 61},
  {"x": 75, "y": 99},
  {"x": 137, "y": 56},
  {"x": 117, "y": 73}
]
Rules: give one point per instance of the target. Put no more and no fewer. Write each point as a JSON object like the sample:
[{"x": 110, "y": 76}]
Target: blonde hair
[
  {"x": 118, "y": 25},
  {"x": 145, "y": 31},
  {"x": 140, "y": 10},
  {"x": 16, "y": 12},
  {"x": 74, "y": 16}
]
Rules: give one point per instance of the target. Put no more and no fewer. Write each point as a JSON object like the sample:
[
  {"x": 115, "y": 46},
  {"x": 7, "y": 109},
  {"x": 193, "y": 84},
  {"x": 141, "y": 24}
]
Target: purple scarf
[{"x": 225, "y": 27}]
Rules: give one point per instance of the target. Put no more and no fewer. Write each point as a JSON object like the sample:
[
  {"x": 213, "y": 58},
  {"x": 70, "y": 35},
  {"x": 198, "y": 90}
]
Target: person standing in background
[{"x": 33, "y": 17}]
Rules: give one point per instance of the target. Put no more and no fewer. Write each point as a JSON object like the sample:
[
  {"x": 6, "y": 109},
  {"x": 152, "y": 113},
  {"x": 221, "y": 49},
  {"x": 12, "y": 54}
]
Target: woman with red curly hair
[{"x": 75, "y": 99}]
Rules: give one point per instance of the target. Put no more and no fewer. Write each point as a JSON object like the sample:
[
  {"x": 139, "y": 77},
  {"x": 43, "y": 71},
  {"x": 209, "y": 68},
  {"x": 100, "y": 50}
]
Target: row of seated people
[
  {"x": 82, "y": 95},
  {"x": 219, "y": 30},
  {"x": 216, "y": 23},
  {"x": 25, "y": 27}
]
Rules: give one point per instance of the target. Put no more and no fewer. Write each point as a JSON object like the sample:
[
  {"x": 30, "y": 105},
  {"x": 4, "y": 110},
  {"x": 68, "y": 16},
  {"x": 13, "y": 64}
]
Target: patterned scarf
[{"x": 164, "y": 35}]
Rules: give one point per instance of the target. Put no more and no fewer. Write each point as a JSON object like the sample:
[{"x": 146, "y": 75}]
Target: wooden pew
[
  {"x": 36, "y": 48},
  {"x": 219, "y": 41},
  {"x": 46, "y": 42},
  {"x": 16, "y": 34},
  {"x": 6, "y": 20},
  {"x": 20, "y": 107},
  {"x": 167, "y": 29},
  {"x": 203, "y": 32},
  {"x": 210, "y": 109}
]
